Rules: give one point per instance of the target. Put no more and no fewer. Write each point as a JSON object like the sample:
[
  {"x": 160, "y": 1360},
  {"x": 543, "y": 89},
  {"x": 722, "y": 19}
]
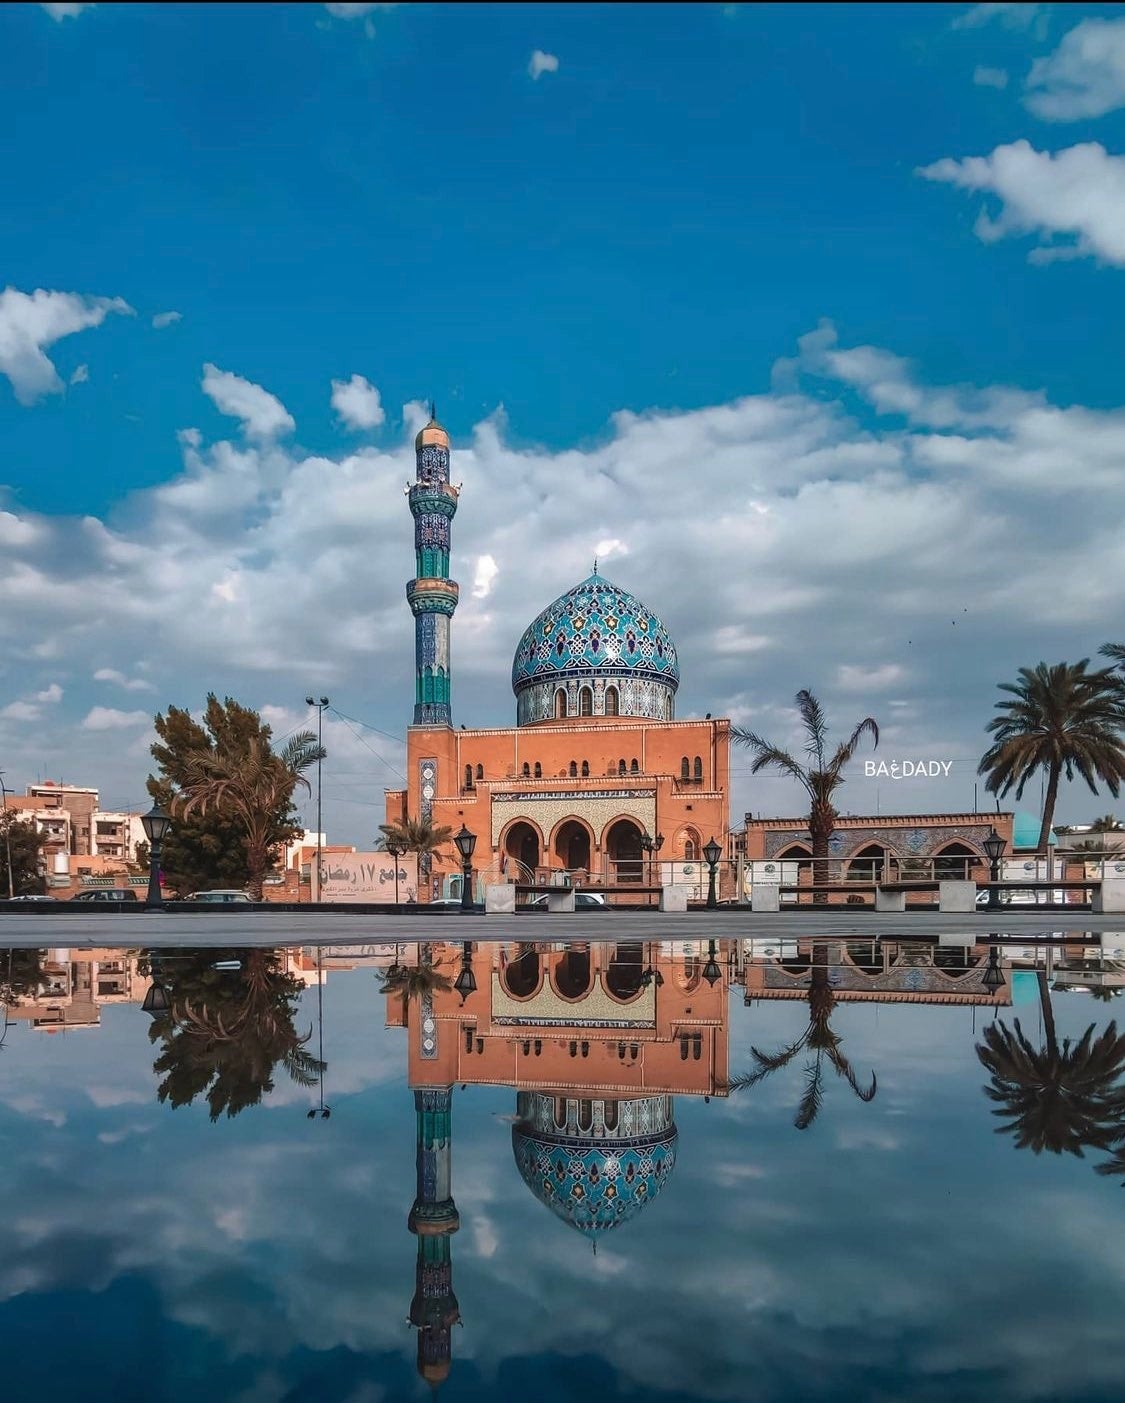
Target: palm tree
[
  {"x": 1062, "y": 719},
  {"x": 1108, "y": 823},
  {"x": 415, "y": 981},
  {"x": 1116, "y": 1164},
  {"x": 417, "y": 835},
  {"x": 1115, "y": 651},
  {"x": 252, "y": 786},
  {"x": 1058, "y": 1097},
  {"x": 817, "y": 1038},
  {"x": 819, "y": 778}
]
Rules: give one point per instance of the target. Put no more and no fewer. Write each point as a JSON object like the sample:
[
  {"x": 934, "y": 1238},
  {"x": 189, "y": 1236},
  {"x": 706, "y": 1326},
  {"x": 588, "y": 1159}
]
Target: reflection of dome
[
  {"x": 597, "y": 1178},
  {"x": 601, "y": 635}
]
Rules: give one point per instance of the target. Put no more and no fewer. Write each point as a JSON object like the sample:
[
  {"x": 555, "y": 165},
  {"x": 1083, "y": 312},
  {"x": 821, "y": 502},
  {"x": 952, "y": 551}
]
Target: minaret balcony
[{"x": 432, "y": 596}]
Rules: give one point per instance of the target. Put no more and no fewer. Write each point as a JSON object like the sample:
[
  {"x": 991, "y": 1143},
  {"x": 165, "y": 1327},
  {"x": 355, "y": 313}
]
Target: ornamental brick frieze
[
  {"x": 597, "y": 808},
  {"x": 905, "y": 842},
  {"x": 547, "y": 1009}
]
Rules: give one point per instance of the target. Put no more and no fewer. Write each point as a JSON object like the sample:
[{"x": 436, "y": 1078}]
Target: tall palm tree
[
  {"x": 1107, "y": 823},
  {"x": 251, "y": 785},
  {"x": 1115, "y": 652},
  {"x": 417, "y": 835},
  {"x": 819, "y": 778},
  {"x": 819, "y": 1039},
  {"x": 1060, "y": 1097},
  {"x": 1115, "y": 1165},
  {"x": 1061, "y": 719}
]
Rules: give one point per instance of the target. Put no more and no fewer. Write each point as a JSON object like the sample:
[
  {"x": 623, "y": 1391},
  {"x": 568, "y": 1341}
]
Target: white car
[{"x": 223, "y": 896}]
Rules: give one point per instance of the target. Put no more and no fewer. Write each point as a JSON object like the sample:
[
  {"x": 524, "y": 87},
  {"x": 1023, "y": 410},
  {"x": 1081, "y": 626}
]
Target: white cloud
[
  {"x": 16, "y": 531},
  {"x": 29, "y": 322},
  {"x": 852, "y": 678},
  {"x": 357, "y": 403},
  {"x": 483, "y": 577},
  {"x": 130, "y": 684},
  {"x": 541, "y": 63},
  {"x": 1078, "y": 194},
  {"x": 20, "y": 711},
  {"x": 1084, "y": 77},
  {"x": 263, "y": 415},
  {"x": 105, "y": 718},
  {"x": 990, "y": 77},
  {"x": 1011, "y": 16},
  {"x": 59, "y": 12},
  {"x": 340, "y": 9},
  {"x": 81, "y": 375},
  {"x": 51, "y": 694},
  {"x": 163, "y": 319}
]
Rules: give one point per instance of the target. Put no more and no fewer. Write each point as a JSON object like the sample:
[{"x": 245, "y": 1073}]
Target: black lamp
[
  {"x": 993, "y": 976},
  {"x": 395, "y": 850},
  {"x": 156, "y": 1001},
  {"x": 711, "y": 971},
  {"x": 993, "y": 846},
  {"x": 466, "y": 981},
  {"x": 157, "y": 824},
  {"x": 711, "y": 854},
  {"x": 466, "y": 843}
]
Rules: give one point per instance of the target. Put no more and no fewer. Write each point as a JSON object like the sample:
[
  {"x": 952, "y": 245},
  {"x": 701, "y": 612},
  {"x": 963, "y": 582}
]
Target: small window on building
[
  {"x": 526, "y": 770},
  {"x": 634, "y": 768},
  {"x": 560, "y": 702},
  {"x": 585, "y": 769},
  {"x": 689, "y": 850},
  {"x": 538, "y": 770},
  {"x": 480, "y": 772},
  {"x": 611, "y": 701},
  {"x": 585, "y": 702},
  {"x": 468, "y": 776},
  {"x": 685, "y": 769},
  {"x": 698, "y": 770},
  {"x": 621, "y": 767},
  {"x": 573, "y": 770}
]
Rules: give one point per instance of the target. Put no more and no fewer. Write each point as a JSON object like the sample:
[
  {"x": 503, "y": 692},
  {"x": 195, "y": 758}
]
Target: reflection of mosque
[{"x": 596, "y": 1039}]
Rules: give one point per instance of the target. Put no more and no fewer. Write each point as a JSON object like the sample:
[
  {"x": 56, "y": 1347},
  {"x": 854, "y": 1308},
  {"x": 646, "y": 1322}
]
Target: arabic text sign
[{"x": 368, "y": 877}]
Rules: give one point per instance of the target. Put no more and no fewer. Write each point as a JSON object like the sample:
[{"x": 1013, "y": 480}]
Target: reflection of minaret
[{"x": 433, "y": 1219}]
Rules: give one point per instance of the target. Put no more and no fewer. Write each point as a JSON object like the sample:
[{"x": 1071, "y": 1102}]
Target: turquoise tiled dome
[
  {"x": 596, "y": 1182},
  {"x": 603, "y": 636}
]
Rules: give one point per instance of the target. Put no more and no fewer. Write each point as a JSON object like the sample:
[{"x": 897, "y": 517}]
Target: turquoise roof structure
[
  {"x": 1025, "y": 831},
  {"x": 596, "y": 628}
]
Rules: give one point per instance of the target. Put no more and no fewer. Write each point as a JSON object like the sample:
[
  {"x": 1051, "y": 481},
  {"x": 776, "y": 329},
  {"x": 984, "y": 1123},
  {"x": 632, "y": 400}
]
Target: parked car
[
  {"x": 35, "y": 898},
  {"x": 223, "y": 896},
  {"x": 107, "y": 894},
  {"x": 583, "y": 901},
  {"x": 444, "y": 903}
]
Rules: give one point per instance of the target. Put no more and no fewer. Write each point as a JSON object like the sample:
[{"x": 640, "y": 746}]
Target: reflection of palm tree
[
  {"x": 1115, "y": 1165},
  {"x": 1057, "y": 1097},
  {"x": 817, "y": 1038},
  {"x": 225, "y": 1032},
  {"x": 415, "y": 981}
]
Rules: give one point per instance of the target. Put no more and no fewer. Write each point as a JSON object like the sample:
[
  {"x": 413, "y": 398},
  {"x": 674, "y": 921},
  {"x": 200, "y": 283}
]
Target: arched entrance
[
  {"x": 625, "y": 974},
  {"x": 572, "y": 973},
  {"x": 954, "y": 862},
  {"x": 522, "y": 845},
  {"x": 871, "y": 864},
  {"x": 623, "y": 848},
  {"x": 572, "y": 846}
]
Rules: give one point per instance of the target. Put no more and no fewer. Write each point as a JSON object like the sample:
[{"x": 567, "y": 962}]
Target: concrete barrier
[
  {"x": 1113, "y": 944},
  {"x": 674, "y": 897},
  {"x": 957, "y": 896},
  {"x": 889, "y": 900},
  {"x": 500, "y": 899},
  {"x": 765, "y": 896},
  {"x": 560, "y": 898},
  {"x": 1110, "y": 896}
]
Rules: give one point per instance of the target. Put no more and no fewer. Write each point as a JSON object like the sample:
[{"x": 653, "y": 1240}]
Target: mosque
[{"x": 597, "y": 783}]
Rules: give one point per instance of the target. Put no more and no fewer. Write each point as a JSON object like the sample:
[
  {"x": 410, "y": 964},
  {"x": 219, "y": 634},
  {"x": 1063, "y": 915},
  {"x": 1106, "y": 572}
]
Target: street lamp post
[
  {"x": 711, "y": 854},
  {"x": 320, "y": 705},
  {"x": 396, "y": 850},
  {"x": 157, "y": 824},
  {"x": 466, "y": 842},
  {"x": 993, "y": 846},
  {"x": 7, "y": 839}
]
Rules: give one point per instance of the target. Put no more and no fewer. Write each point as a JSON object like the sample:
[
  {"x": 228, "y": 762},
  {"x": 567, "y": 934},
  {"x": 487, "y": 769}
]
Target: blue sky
[{"x": 602, "y": 272}]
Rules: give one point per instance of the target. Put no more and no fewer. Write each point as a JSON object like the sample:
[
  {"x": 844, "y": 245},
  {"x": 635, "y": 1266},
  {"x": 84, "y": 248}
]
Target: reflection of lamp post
[
  {"x": 466, "y": 842},
  {"x": 711, "y": 971},
  {"x": 993, "y": 846},
  {"x": 711, "y": 854},
  {"x": 396, "y": 850},
  {"x": 993, "y": 976},
  {"x": 466, "y": 981},
  {"x": 156, "y": 1001},
  {"x": 157, "y": 824}
]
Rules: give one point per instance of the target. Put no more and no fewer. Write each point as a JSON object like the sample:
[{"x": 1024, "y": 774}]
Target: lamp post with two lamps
[
  {"x": 320, "y": 705},
  {"x": 395, "y": 850},
  {"x": 466, "y": 843},
  {"x": 993, "y": 846},
  {"x": 7, "y": 838},
  {"x": 651, "y": 845},
  {"x": 157, "y": 824},
  {"x": 711, "y": 854}
]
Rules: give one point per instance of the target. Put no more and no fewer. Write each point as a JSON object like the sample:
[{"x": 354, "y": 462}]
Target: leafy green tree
[
  {"x": 820, "y": 777},
  {"x": 21, "y": 973},
  {"x": 208, "y": 846},
  {"x": 1062, "y": 720},
  {"x": 225, "y": 1031},
  {"x": 820, "y": 1041},
  {"x": 20, "y": 837}
]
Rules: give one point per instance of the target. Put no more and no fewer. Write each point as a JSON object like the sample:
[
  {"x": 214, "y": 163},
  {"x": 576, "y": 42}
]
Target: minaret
[
  {"x": 432, "y": 595},
  {"x": 434, "y": 1220}
]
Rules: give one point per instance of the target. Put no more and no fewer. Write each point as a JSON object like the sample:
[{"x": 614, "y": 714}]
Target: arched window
[
  {"x": 526, "y": 770},
  {"x": 585, "y": 769},
  {"x": 573, "y": 770},
  {"x": 621, "y": 767},
  {"x": 468, "y": 776},
  {"x": 611, "y": 701},
  {"x": 480, "y": 772},
  {"x": 634, "y": 768},
  {"x": 685, "y": 769},
  {"x": 560, "y": 702},
  {"x": 538, "y": 770},
  {"x": 689, "y": 849},
  {"x": 698, "y": 770},
  {"x": 585, "y": 702}
]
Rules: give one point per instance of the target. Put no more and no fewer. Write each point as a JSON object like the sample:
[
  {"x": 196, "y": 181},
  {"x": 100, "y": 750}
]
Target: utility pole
[
  {"x": 320, "y": 705},
  {"x": 7, "y": 837}
]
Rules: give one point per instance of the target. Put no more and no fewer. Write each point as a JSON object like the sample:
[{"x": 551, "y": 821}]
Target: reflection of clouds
[{"x": 280, "y": 1240}]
